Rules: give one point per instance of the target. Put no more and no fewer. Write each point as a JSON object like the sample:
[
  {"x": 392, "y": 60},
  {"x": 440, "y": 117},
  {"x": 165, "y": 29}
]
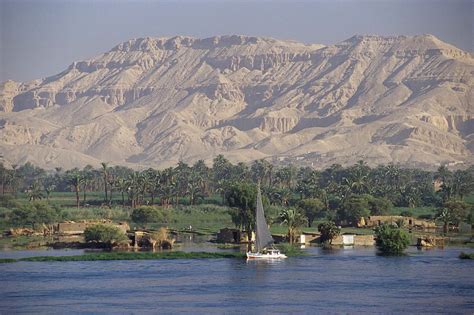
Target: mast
[{"x": 263, "y": 236}]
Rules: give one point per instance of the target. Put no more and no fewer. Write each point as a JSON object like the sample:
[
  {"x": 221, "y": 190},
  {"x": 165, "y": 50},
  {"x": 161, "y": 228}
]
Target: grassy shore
[
  {"x": 464, "y": 255},
  {"x": 130, "y": 256},
  {"x": 290, "y": 250}
]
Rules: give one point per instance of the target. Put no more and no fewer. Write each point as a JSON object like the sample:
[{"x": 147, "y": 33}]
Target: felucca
[{"x": 263, "y": 239}]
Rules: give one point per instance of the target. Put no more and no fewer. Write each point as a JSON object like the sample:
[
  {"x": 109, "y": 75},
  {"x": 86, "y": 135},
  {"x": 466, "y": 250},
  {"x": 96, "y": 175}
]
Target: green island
[
  {"x": 464, "y": 255},
  {"x": 130, "y": 256}
]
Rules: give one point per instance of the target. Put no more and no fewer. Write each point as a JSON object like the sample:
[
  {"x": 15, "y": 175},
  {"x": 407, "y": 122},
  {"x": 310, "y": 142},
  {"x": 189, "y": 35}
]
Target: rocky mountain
[{"x": 155, "y": 101}]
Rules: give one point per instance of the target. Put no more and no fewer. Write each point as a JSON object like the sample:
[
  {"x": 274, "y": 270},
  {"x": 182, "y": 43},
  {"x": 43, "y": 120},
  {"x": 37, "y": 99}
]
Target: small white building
[{"x": 348, "y": 239}]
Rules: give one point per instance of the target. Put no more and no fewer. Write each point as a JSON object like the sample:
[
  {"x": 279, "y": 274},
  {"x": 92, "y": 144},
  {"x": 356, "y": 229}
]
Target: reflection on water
[{"x": 350, "y": 280}]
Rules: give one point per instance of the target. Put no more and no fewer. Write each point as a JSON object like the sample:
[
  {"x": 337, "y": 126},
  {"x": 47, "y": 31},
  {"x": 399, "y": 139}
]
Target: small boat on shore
[{"x": 263, "y": 239}]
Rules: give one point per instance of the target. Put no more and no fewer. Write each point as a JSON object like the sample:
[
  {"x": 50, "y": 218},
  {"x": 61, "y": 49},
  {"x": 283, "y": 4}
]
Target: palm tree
[
  {"x": 282, "y": 195},
  {"x": 262, "y": 171},
  {"x": 308, "y": 183},
  {"x": 14, "y": 179},
  {"x": 452, "y": 212},
  {"x": 240, "y": 172},
  {"x": 3, "y": 177},
  {"x": 221, "y": 168},
  {"x": 463, "y": 183},
  {"x": 358, "y": 179},
  {"x": 35, "y": 193},
  {"x": 444, "y": 216},
  {"x": 293, "y": 219},
  {"x": 220, "y": 187},
  {"x": 87, "y": 175},
  {"x": 289, "y": 175},
  {"x": 105, "y": 174},
  {"x": 443, "y": 173},
  {"x": 195, "y": 186},
  {"x": 49, "y": 189},
  {"x": 151, "y": 182},
  {"x": 182, "y": 172},
  {"x": 122, "y": 185},
  {"x": 75, "y": 180},
  {"x": 167, "y": 186},
  {"x": 204, "y": 173},
  {"x": 133, "y": 189},
  {"x": 111, "y": 185}
]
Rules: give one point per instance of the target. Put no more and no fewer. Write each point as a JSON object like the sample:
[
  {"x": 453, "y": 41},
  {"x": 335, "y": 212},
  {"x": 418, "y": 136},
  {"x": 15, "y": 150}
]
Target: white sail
[{"x": 263, "y": 236}]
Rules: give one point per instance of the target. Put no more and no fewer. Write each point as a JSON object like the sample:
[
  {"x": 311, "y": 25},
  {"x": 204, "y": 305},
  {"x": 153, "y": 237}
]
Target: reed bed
[{"x": 130, "y": 256}]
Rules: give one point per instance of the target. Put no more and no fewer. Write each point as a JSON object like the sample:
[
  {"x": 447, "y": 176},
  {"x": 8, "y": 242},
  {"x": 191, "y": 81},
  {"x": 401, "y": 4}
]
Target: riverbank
[
  {"x": 464, "y": 255},
  {"x": 130, "y": 256}
]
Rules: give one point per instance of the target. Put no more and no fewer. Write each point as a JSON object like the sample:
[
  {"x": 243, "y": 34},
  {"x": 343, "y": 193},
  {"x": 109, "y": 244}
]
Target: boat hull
[{"x": 265, "y": 256}]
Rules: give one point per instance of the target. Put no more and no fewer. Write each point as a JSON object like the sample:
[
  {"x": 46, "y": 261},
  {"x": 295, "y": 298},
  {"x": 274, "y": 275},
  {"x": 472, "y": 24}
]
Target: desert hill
[{"x": 155, "y": 101}]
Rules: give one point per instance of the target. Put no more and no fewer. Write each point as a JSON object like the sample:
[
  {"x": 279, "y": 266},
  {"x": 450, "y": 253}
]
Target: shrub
[
  {"x": 272, "y": 213},
  {"x": 379, "y": 206},
  {"x": 312, "y": 208},
  {"x": 290, "y": 250},
  {"x": 452, "y": 212},
  {"x": 21, "y": 217},
  {"x": 95, "y": 213},
  {"x": 406, "y": 213},
  {"x": 464, "y": 255},
  {"x": 354, "y": 208},
  {"x": 425, "y": 216},
  {"x": 391, "y": 240},
  {"x": 8, "y": 202},
  {"x": 293, "y": 218},
  {"x": 149, "y": 214},
  {"x": 105, "y": 234},
  {"x": 328, "y": 231},
  {"x": 34, "y": 213}
]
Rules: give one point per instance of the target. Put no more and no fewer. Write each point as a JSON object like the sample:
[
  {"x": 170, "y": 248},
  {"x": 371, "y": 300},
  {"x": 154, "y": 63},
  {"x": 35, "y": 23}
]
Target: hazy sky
[{"x": 41, "y": 38}]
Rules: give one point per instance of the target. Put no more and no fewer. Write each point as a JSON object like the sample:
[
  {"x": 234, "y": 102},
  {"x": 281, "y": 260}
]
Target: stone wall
[
  {"x": 359, "y": 240},
  {"x": 75, "y": 228},
  {"x": 376, "y": 220}
]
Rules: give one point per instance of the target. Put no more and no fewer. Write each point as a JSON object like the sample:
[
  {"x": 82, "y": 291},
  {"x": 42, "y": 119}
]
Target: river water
[{"x": 336, "y": 281}]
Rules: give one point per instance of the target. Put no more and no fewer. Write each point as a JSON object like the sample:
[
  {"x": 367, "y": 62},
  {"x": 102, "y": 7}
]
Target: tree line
[{"x": 336, "y": 193}]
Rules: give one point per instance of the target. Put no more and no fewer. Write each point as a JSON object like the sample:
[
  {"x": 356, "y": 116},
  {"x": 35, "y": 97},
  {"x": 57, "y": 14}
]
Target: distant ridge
[{"x": 155, "y": 101}]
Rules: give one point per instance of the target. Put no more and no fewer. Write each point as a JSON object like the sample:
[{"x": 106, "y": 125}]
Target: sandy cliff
[{"x": 155, "y": 101}]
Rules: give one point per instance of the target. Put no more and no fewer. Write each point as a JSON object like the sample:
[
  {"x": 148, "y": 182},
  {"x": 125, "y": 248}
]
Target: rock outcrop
[{"x": 155, "y": 101}]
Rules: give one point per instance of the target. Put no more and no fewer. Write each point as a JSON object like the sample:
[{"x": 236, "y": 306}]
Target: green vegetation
[
  {"x": 359, "y": 231},
  {"x": 328, "y": 231},
  {"x": 453, "y": 211},
  {"x": 290, "y": 250},
  {"x": 464, "y": 255},
  {"x": 391, "y": 240},
  {"x": 241, "y": 197},
  {"x": 204, "y": 218},
  {"x": 131, "y": 256},
  {"x": 33, "y": 214},
  {"x": 149, "y": 214},
  {"x": 379, "y": 206},
  {"x": 210, "y": 198},
  {"x": 21, "y": 242},
  {"x": 105, "y": 234},
  {"x": 7, "y": 260},
  {"x": 313, "y": 208},
  {"x": 293, "y": 219},
  {"x": 354, "y": 208},
  {"x": 116, "y": 213},
  {"x": 417, "y": 212},
  {"x": 406, "y": 213}
]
